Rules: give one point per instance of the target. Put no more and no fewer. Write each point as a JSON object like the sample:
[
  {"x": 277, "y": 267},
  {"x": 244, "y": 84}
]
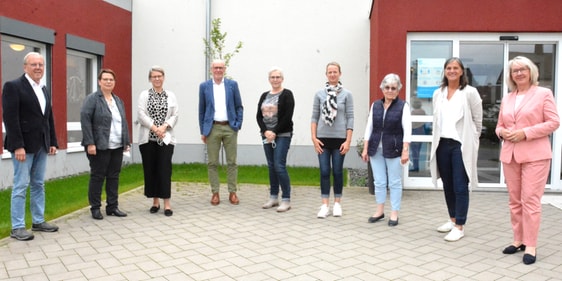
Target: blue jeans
[
  {"x": 331, "y": 161},
  {"x": 455, "y": 180},
  {"x": 387, "y": 172},
  {"x": 277, "y": 164},
  {"x": 30, "y": 173}
]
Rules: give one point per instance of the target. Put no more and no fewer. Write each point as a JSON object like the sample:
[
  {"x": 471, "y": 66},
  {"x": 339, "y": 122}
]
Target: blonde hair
[{"x": 527, "y": 63}]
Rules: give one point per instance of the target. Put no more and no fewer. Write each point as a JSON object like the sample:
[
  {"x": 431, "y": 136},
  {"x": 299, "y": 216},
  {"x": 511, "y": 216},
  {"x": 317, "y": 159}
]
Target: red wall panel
[{"x": 391, "y": 20}]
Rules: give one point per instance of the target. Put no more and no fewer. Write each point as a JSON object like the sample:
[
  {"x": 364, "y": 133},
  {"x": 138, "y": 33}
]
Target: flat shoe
[
  {"x": 393, "y": 223},
  {"x": 154, "y": 209},
  {"x": 168, "y": 212},
  {"x": 512, "y": 249},
  {"x": 529, "y": 259},
  {"x": 376, "y": 219}
]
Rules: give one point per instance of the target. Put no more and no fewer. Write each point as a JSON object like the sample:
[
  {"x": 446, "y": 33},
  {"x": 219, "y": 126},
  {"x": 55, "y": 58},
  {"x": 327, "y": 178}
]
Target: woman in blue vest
[{"x": 386, "y": 144}]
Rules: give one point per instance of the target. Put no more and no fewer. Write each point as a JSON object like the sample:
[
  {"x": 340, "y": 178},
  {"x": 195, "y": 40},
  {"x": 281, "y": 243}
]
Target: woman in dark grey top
[{"x": 274, "y": 117}]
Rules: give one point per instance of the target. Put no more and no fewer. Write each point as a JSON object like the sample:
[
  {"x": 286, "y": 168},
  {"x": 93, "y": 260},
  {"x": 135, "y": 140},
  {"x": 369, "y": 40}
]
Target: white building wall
[{"x": 301, "y": 37}]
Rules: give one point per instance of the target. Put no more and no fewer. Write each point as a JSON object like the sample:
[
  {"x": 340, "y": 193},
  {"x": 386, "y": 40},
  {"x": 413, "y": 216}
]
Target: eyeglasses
[
  {"x": 157, "y": 77},
  {"x": 219, "y": 67},
  {"x": 388, "y": 88},
  {"x": 35, "y": 65},
  {"x": 519, "y": 70},
  {"x": 275, "y": 77}
]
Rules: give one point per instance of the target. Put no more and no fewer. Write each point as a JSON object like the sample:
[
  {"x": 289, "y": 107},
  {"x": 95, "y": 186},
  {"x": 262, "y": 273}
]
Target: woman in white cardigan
[
  {"x": 157, "y": 115},
  {"x": 457, "y": 124}
]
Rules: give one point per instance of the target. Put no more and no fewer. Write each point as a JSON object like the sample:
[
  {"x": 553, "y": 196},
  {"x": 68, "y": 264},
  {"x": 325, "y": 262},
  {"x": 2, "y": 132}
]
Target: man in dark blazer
[
  {"x": 220, "y": 118},
  {"x": 30, "y": 136}
]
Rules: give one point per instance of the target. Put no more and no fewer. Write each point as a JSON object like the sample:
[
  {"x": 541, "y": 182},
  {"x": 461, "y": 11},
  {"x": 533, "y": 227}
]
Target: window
[
  {"x": 83, "y": 60},
  {"x": 12, "y": 53},
  {"x": 81, "y": 69}
]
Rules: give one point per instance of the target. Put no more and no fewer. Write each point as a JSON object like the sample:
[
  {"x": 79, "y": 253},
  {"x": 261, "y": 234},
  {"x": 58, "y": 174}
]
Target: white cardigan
[
  {"x": 469, "y": 127},
  {"x": 145, "y": 122}
]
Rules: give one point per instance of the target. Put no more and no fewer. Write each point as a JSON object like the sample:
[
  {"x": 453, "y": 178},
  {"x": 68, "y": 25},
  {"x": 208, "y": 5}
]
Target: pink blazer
[{"x": 537, "y": 116}]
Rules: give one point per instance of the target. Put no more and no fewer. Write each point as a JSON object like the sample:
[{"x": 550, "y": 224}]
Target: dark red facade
[
  {"x": 91, "y": 19},
  {"x": 392, "y": 20}
]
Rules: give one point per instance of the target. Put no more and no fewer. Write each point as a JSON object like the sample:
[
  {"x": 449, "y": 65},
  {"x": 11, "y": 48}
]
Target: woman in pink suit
[{"x": 527, "y": 117}]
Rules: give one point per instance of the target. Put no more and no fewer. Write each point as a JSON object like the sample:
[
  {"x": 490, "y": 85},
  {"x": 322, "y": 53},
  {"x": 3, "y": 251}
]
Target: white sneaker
[
  {"x": 455, "y": 235},
  {"x": 336, "y": 210},
  {"x": 270, "y": 203},
  {"x": 285, "y": 206},
  {"x": 323, "y": 213},
  {"x": 446, "y": 227}
]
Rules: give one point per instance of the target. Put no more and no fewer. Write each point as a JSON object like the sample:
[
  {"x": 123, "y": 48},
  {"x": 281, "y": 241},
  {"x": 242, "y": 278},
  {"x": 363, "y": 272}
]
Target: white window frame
[{"x": 75, "y": 126}]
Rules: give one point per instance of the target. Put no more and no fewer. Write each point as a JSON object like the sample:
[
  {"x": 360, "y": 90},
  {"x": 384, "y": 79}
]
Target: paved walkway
[{"x": 244, "y": 242}]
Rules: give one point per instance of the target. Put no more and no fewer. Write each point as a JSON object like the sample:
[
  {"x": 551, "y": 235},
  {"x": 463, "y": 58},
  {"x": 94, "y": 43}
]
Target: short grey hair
[
  {"x": 391, "y": 78},
  {"x": 32, "y": 54},
  {"x": 273, "y": 69},
  {"x": 157, "y": 69}
]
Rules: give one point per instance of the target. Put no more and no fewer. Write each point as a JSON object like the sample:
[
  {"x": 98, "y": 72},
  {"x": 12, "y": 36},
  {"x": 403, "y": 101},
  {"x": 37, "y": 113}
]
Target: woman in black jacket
[{"x": 274, "y": 117}]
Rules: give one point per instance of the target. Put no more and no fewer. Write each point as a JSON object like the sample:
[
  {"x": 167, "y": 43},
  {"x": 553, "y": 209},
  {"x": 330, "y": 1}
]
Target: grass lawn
[{"x": 67, "y": 195}]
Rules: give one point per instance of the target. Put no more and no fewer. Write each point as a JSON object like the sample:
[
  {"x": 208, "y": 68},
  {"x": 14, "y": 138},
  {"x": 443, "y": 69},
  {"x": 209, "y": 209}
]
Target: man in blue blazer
[
  {"x": 30, "y": 136},
  {"x": 220, "y": 118}
]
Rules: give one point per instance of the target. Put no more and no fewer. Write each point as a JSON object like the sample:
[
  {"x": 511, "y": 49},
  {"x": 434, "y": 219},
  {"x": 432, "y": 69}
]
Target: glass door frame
[{"x": 487, "y": 38}]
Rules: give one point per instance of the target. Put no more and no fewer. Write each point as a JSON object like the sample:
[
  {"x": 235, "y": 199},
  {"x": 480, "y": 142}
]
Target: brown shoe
[
  {"x": 233, "y": 198},
  {"x": 215, "y": 200}
]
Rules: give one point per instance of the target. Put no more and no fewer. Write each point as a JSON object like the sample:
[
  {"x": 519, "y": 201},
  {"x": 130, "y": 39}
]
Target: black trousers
[
  {"x": 157, "y": 167},
  {"x": 105, "y": 166}
]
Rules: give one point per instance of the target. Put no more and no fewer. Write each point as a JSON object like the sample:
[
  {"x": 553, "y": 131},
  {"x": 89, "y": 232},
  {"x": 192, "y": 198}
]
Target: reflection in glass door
[
  {"x": 543, "y": 55},
  {"x": 484, "y": 66},
  {"x": 485, "y": 63}
]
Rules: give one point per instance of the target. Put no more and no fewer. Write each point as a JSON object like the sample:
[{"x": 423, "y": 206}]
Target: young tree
[{"x": 215, "y": 46}]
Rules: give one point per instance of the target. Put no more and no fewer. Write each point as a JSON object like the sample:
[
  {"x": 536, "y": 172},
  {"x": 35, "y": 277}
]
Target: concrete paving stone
[
  {"x": 136, "y": 275},
  {"x": 96, "y": 271},
  {"x": 23, "y": 272},
  {"x": 113, "y": 278},
  {"x": 207, "y": 275}
]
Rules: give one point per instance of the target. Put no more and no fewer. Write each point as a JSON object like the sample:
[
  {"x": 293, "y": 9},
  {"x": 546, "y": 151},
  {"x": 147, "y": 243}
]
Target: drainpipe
[{"x": 207, "y": 35}]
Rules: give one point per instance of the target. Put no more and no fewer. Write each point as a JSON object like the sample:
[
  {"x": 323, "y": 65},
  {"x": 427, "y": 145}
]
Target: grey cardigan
[{"x": 95, "y": 120}]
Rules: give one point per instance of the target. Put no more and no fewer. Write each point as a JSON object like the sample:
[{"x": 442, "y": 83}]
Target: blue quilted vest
[{"x": 390, "y": 129}]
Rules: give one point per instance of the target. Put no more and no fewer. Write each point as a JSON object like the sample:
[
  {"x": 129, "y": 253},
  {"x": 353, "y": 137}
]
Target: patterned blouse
[{"x": 157, "y": 108}]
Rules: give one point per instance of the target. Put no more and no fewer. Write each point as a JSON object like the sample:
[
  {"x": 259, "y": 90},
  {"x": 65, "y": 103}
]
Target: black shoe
[
  {"x": 117, "y": 213},
  {"x": 45, "y": 227},
  {"x": 154, "y": 209},
  {"x": 376, "y": 219},
  {"x": 393, "y": 223},
  {"x": 529, "y": 259},
  {"x": 168, "y": 212},
  {"x": 96, "y": 214},
  {"x": 512, "y": 249}
]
